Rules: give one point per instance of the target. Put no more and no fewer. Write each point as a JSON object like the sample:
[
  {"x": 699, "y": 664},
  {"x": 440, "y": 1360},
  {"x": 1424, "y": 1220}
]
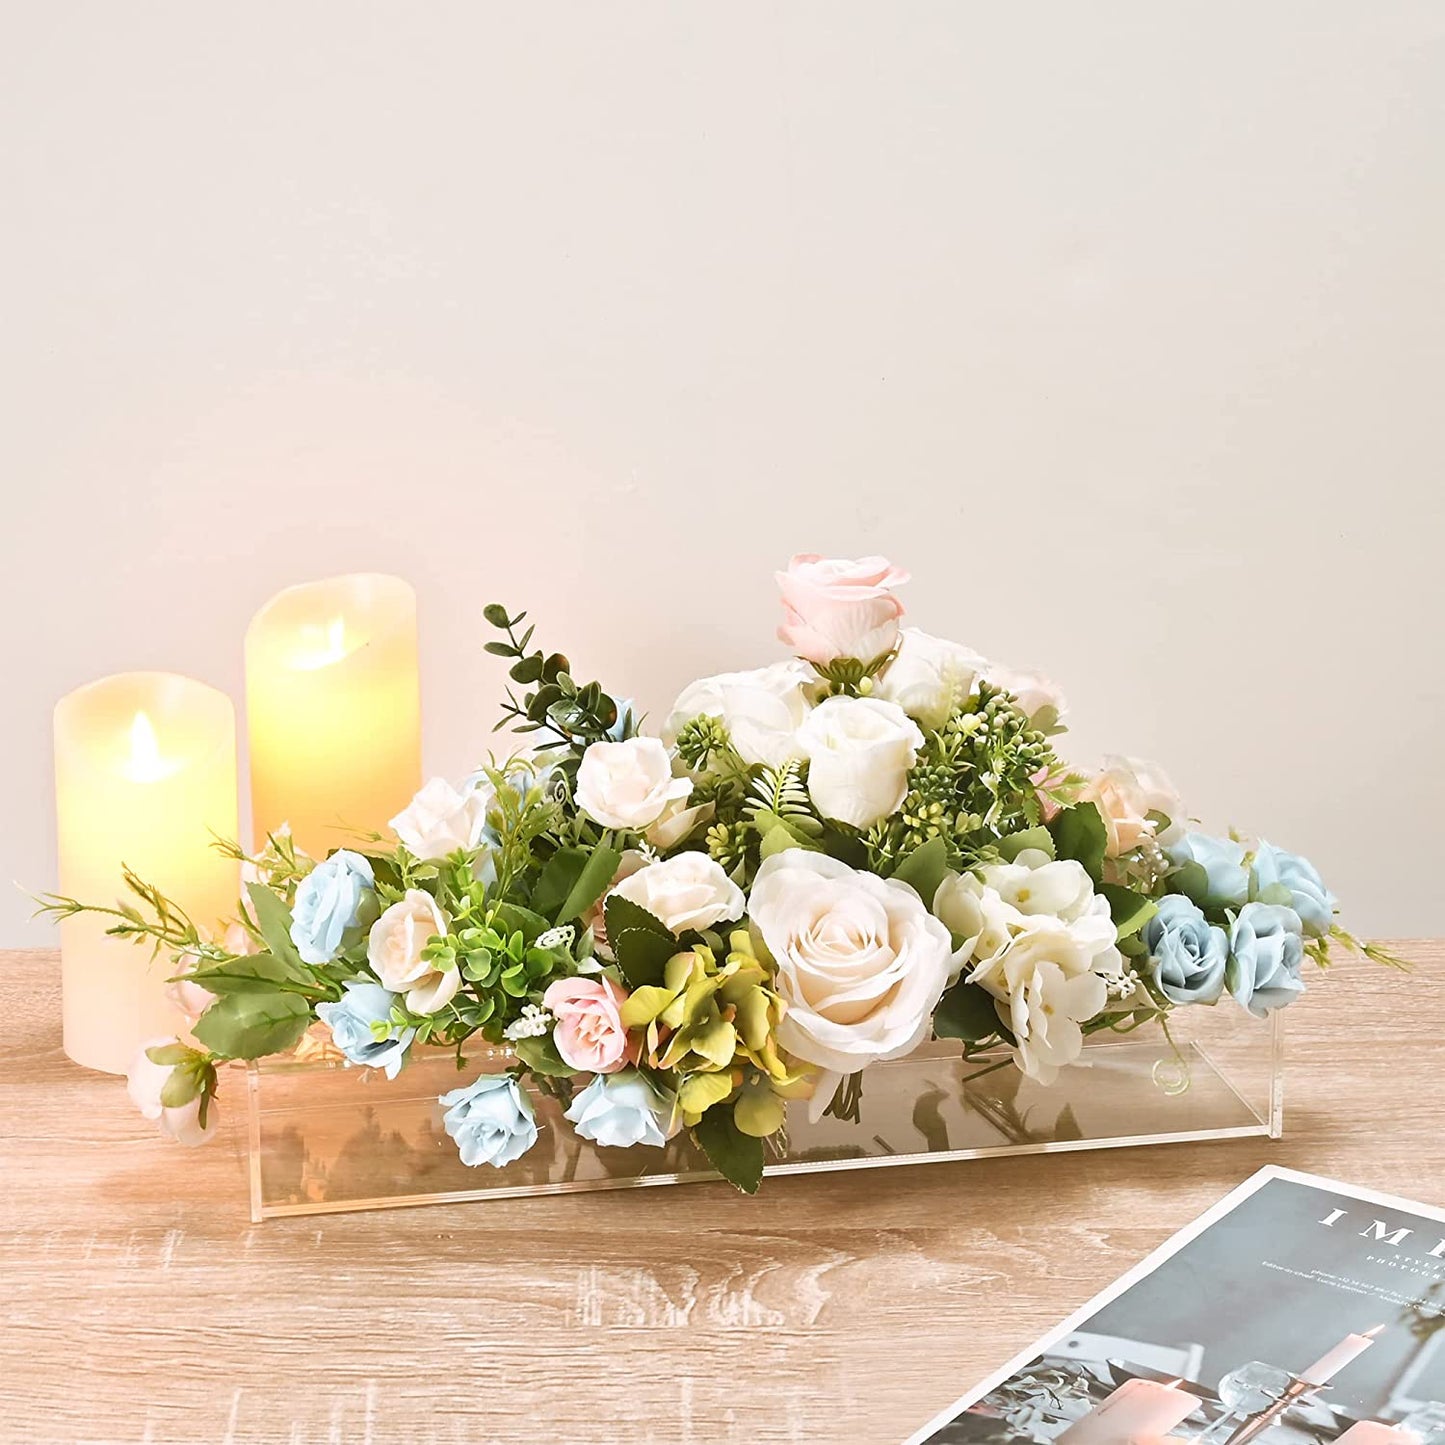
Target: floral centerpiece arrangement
[{"x": 815, "y": 866}]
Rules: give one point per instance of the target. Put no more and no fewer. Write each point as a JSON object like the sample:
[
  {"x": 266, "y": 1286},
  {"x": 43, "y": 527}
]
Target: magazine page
[{"x": 1298, "y": 1311}]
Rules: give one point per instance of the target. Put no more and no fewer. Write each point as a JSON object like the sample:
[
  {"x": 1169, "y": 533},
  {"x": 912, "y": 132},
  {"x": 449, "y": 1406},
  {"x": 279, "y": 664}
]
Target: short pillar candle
[
  {"x": 333, "y": 704},
  {"x": 145, "y": 773},
  {"x": 1139, "y": 1411}
]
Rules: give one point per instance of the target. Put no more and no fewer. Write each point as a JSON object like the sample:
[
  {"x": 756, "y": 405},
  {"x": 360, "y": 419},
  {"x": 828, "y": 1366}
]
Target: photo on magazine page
[{"x": 1299, "y": 1312}]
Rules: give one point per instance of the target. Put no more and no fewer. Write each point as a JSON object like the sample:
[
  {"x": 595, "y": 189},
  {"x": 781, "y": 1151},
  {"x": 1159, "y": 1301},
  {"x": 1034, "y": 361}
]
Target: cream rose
[
  {"x": 394, "y": 949},
  {"x": 688, "y": 891},
  {"x": 440, "y": 820},
  {"x": 861, "y": 963},
  {"x": 628, "y": 784},
  {"x": 762, "y": 709},
  {"x": 834, "y": 608},
  {"x": 859, "y": 751},
  {"x": 930, "y": 676},
  {"x": 1126, "y": 791}
]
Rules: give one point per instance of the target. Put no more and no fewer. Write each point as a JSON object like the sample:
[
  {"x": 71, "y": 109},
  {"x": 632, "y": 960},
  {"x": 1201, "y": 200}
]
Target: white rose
[
  {"x": 1039, "y": 699},
  {"x": 762, "y": 709},
  {"x": 440, "y": 820},
  {"x": 628, "y": 784},
  {"x": 859, "y": 751},
  {"x": 688, "y": 891},
  {"x": 861, "y": 963},
  {"x": 1126, "y": 791},
  {"x": 394, "y": 949},
  {"x": 930, "y": 676},
  {"x": 144, "y": 1082}
]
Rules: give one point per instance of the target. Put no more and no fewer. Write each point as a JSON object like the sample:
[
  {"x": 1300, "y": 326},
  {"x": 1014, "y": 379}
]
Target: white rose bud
[
  {"x": 859, "y": 751},
  {"x": 440, "y": 820},
  {"x": 394, "y": 949},
  {"x": 688, "y": 891},
  {"x": 930, "y": 676},
  {"x": 628, "y": 784},
  {"x": 761, "y": 709}
]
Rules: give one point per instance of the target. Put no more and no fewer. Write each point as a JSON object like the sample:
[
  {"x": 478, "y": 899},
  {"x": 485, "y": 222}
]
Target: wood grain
[{"x": 138, "y": 1305}]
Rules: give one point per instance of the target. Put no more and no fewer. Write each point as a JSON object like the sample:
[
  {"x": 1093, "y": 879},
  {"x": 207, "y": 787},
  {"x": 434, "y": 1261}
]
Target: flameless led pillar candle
[
  {"x": 145, "y": 768},
  {"x": 1138, "y": 1411},
  {"x": 333, "y": 704}
]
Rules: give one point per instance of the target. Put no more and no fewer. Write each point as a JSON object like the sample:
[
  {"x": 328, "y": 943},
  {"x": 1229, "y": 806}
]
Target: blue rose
[
  {"x": 1265, "y": 953},
  {"x": 361, "y": 1027},
  {"x": 333, "y": 901},
  {"x": 617, "y": 1110},
  {"x": 491, "y": 1120},
  {"x": 1186, "y": 952},
  {"x": 1222, "y": 859},
  {"x": 1281, "y": 877}
]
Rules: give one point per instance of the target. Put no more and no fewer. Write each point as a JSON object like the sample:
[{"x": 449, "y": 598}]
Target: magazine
[{"x": 1297, "y": 1311}]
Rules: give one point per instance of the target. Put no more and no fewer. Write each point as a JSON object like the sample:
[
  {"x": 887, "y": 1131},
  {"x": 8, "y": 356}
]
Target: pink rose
[
  {"x": 1127, "y": 791},
  {"x": 589, "y": 1033},
  {"x": 834, "y": 608}
]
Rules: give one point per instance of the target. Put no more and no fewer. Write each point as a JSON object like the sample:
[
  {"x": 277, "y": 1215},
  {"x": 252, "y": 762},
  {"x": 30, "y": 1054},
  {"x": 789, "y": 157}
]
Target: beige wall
[{"x": 1120, "y": 324}]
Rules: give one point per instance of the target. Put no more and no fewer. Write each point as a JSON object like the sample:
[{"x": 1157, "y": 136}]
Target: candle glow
[{"x": 145, "y": 768}]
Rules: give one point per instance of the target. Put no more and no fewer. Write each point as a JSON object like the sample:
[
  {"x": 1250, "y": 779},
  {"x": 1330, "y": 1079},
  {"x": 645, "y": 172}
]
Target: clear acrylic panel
[{"x": 326, "y": 1137}]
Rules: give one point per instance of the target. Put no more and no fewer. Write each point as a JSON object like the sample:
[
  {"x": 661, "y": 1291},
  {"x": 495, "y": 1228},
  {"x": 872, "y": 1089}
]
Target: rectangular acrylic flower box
[{"x": 325, "y": 1137}]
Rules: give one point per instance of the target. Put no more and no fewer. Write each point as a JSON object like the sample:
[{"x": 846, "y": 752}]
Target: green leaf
[
  {"x": 1192, "y": 880},
  {"x": 541, "y": 1057},
  {"x": 176, "y": 1053},
  {"x": 1079, "y": 834},
  {"x": 623, "y": 914},
  {"x": 967, "y": 1012},
  {"x": 254, "y": 973},
  {"x": 1129, "y": 910},
  {"x": 923, "y": 869},
  {"x": 273, "y": 919},
  {"x": 182, "y": 1086},
  {"x": 251, "y": 1025},
  {"x": 573, "y": 880},
  {"x": 738, "y": 1157},
  {"x": 513, "y": 918},
  {"x": 642, "y": 954},
  {"x": 1009, "y": 848},
  {"x": 496, "y": 614}
]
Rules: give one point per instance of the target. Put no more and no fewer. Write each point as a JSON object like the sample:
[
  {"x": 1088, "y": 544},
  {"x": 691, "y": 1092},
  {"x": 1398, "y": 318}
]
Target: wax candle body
[
  {"x": 333, "y": 704},
  {"x": 1333, "y": 1361},
  {"x": 1138, "y": 1411},
  {"x": 1374, "y": 1432},
  {"x": 145, "y": 767}
]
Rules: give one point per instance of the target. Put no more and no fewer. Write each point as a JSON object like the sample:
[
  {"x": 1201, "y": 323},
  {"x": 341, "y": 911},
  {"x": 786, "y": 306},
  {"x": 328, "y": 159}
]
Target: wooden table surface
[{"x": 138, "y": 1305}]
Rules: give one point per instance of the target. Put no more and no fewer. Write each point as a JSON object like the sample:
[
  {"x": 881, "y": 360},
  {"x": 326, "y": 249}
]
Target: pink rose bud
[
  {"x": 833, "y": 608},
  {"x": 589, "y": 1034}
]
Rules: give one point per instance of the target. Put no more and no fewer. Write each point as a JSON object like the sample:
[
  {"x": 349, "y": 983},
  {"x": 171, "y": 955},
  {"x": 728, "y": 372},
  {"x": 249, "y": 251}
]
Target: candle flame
[
  {"x": 322, "y": 645},
  {"x": 145, "y": 763}
]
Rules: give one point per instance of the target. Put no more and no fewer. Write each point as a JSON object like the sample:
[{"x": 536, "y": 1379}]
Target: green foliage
[
  {"x": 924, "y": 869},
  {"x": 1079, "y": 834},
  {"x": 1009, "y": 848},
  {"x": 573, "y": 879},
  {"x": 251, "y": 1025},
  {"x": 737, "y": 1156},
  {"x": 540, "y": 1055},
  {"x": 971, "y": 786},
  {"x": 260, "y": 973},
  {"x": 273, "y": 921},
  {"x": 552, "y": 701},
  {"x": 968, "y": 1011},
  {"x": 1129, "y": 910}
]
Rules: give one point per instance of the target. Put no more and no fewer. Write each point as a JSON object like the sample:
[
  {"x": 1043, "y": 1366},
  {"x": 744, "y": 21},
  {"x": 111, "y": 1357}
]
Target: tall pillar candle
[
  {"x": 333, "y": 704},
  {"x": 145, "y": 769}
]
